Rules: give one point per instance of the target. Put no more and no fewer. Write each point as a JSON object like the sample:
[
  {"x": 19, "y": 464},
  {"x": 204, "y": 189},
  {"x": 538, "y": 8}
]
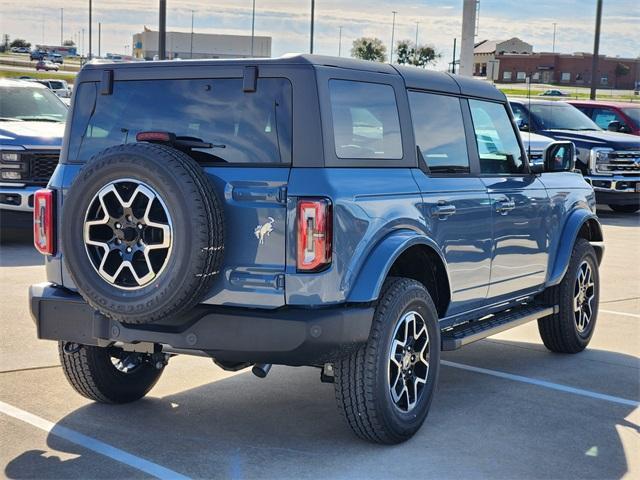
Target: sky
[{"x": 287, "y": 22}]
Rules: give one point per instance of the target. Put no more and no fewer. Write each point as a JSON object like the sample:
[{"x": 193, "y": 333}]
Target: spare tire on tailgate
[{"x": 142, "y": 232}]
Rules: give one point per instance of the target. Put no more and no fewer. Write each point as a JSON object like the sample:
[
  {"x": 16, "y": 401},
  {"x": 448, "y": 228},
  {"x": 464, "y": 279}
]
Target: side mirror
[
  {"x": 522, "y": 125},
  {"x": 559, "y": 157},
  {"x": 614, "y": 126}
]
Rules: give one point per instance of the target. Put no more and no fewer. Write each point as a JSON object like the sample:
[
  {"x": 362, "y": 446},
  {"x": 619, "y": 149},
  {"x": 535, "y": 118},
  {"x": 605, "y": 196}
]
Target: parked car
[
  {"x": 55, "y": 58},
  {"x": 38, "y": 55},
  {"x": 59, "y": 87},
  {"x": 353, "y": 216},
  {"x": 610, "y": 161},
  {"x": 20, "y": 50},
  {"x": 47, "y": 65},
  {"x": 32, "y": 123},
  {"x": 553, "y": 93},
  {"x": 621, "y": 117}
]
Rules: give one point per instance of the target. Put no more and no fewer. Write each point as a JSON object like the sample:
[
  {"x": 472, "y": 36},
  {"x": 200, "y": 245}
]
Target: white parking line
[
  {"x": 634, "y": 315},
  {"x": 90, "y": 443},
  {"x": 543, "y": 383}
]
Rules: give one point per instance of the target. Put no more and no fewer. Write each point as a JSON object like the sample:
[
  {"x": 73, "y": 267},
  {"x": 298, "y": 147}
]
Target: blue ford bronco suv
[{"x": 352, "y": 216}]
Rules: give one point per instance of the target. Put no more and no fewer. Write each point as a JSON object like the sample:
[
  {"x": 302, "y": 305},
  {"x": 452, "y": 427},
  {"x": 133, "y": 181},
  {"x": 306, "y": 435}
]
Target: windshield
[
  {"x": 634, "y": 114},
  {"x": 30, "y": 103},
  {"x": 561, "y": 116}
]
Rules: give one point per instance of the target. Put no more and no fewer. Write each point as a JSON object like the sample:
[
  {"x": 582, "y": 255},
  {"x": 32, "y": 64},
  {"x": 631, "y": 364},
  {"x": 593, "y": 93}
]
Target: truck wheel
[
  {"x": 142, "y": 232},
  {"x": 625, "y": 208},
  {"x": 577, "y": 296},
  {"x": 109, "y": 374},
  {"x": 385, "y": 388}
]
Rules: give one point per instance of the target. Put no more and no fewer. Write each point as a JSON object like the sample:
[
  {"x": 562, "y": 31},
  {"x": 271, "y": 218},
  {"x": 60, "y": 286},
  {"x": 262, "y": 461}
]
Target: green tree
[
  {"x": 68, "y": 43},
  {"x": 620, "y": 71},
  {"x": 407, "y": 54},
  {"x": 367, "y": 48},
  {"x": 19, "y": 42}
]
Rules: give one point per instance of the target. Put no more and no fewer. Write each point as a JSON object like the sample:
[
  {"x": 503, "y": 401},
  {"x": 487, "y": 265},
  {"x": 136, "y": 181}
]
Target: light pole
[
  {"x": 99, "y": 38},
  {"x": 553, "y": 48},
  {"x": 162, "y": 31},
  {"x": 84, "y": 50},
  {"x": 90, "y": 11},
  {"x": 253, "y": 25},
  {"x": 596, "y": 49},
  {"x": 415, "y": 50},
  {"x": 61, "y": 26},
  {"x": 313, "y": 9},
  {"x": 340, "y": 42},
  {"x": 393, "y": 31},
  {"x": 191, "y": 44}
]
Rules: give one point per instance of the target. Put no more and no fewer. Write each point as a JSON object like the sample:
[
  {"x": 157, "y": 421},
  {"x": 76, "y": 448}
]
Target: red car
[{"x": 627, "y": 115}]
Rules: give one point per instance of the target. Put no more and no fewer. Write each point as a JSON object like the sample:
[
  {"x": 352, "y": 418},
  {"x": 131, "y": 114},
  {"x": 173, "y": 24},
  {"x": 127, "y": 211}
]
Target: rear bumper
[{"x": 290, "y": 336}]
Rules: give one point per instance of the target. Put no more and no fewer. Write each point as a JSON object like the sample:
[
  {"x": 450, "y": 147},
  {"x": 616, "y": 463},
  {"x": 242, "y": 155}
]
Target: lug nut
[
  {"x": 118, "y": 241},
  {"x": 140, "y": 226},
  {"x": 128, "y": 218},
  {"x": 128, "y": 249},
  {"x": 118, "y": 225}
]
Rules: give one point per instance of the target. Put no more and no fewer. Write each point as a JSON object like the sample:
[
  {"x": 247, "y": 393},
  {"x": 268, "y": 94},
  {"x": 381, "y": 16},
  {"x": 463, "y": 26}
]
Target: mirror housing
[
  {"x": 614, "y": 126},
  {"x": 560, "y": 157}
]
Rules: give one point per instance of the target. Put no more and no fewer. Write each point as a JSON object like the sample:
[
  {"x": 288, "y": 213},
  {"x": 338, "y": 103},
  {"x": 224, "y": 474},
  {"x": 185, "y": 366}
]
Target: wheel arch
[
  {"x": 405, "y": 254},
  {"x": 580, "y": 224}
]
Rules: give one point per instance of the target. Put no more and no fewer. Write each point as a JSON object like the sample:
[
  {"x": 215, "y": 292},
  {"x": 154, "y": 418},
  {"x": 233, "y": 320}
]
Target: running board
[{"x": 475, "y": 330}]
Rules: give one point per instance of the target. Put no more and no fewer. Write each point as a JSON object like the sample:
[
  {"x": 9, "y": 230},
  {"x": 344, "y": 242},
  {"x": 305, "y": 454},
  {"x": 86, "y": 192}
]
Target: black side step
[{"x": 475, "y": 330}]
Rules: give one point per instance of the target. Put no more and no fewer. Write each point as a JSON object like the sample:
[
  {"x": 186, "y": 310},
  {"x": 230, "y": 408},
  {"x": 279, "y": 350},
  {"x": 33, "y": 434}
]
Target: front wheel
[
  {"x": 385, "y": 388},
  {"x": 625, "y": 208},
  {"x": 577, "y": 296},
  {"x": 108, "y": 374}
]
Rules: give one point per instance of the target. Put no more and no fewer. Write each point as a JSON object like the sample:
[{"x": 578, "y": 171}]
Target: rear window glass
[
  {"x": 243, "y": 127},
  {"x": 365, "y": 120}
]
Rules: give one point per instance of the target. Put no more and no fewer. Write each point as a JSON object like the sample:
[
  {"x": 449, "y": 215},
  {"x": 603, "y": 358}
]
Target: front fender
[
  {"x": 369, "y": 280},
  {"x": 559, "y": 262}
]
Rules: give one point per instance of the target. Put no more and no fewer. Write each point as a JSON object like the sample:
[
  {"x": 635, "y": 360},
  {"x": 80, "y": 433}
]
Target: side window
[
  {"x": 520, "y": 115},
  {"x": 498, "y": 145},
  {"x": 603, "y": 117},
  {"x": 439, "y": 132},
  {"x": 365, "y": 120}
]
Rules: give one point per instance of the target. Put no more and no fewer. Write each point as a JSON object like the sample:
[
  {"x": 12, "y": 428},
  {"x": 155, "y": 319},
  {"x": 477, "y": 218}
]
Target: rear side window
[
  {"x": 243, "y": 127},
  {"x": 439, "y": 132},
  {"x": 498, "y": 145},
  {"x": 365, "y": 120}
]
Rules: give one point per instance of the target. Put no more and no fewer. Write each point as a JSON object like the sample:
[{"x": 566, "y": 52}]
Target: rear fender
[
  {"x": 369, "y": 281},
  {"x": 559, "y": 262}
]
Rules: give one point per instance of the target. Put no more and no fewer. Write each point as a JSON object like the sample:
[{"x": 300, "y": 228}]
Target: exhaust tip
[{"x": 261, "y": 370}]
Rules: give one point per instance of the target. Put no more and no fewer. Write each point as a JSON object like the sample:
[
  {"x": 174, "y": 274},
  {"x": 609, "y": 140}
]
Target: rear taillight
[
  {"x": 43, "y": 221},
  {"x": 314, "y": 234}
]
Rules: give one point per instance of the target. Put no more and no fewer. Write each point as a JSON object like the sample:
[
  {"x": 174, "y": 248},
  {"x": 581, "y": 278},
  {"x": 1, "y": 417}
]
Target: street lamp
[
  {"x": 393, "y": 31},
  {"x": 415, "y": 50},
  {"x": 253, "y": 25},
  {"x": 313, "y": 9},
  {"x": 553, "y": 49},
  {"x": 191, "y": 45},
  {"x": 340, "y": 42}
]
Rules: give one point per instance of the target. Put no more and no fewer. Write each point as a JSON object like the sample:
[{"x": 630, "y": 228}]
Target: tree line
[{"x": 406, "y": 52}]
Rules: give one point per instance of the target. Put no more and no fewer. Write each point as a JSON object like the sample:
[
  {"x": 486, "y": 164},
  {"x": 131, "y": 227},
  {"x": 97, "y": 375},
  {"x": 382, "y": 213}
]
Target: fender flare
[
  {"x": 560, "y": 261},
  {"x": 375, "y": 269}
]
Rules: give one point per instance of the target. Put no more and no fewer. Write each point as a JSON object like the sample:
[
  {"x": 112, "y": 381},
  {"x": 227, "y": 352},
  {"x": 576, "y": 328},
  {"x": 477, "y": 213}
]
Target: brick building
[
  {"x": 485, "y": 52},
  {"x": 566, "y": 69}
]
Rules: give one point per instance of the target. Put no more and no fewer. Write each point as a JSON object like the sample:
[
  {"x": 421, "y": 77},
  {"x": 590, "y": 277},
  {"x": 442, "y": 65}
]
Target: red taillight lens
[
  {"x": 43, "y": 221},
  {"x": 314, "y": 234}
]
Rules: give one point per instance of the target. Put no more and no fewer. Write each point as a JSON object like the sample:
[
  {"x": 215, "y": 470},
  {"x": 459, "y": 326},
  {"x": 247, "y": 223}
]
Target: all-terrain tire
[
  {"x": 92, "y": 374},
  {"x": 198, "y": 232},
  {"x": 625, "y": 208},
  {"x": 560, "y": 332},
  {"x": 362, "y": 378}
]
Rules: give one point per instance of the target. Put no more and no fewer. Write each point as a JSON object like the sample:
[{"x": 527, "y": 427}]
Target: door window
[
  {"x": 498, "y": 146},
  {"x": 365, "y": 120},
  {"x": 439, "y": 132},
  {"x": 603, "y": 117}
]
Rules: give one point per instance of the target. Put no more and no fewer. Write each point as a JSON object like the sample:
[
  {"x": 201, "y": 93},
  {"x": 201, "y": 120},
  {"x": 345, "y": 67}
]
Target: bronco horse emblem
[{"x": 264, "y": 230}]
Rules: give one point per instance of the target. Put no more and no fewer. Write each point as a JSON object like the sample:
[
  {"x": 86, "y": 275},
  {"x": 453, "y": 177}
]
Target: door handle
[
  {"x": 444, "y": 210},
  {"x": 505, "y": 206}
]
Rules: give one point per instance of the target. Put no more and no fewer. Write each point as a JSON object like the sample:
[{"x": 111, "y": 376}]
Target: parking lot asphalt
[{"x": 505, "y": 406}]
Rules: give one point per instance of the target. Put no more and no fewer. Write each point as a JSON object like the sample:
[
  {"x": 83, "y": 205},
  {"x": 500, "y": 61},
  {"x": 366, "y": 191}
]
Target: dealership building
[{"x": 186, "y": 45}]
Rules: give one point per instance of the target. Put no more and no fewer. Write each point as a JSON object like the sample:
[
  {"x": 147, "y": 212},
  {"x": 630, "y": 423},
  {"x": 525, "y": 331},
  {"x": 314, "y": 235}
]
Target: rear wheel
[
  {"x": 571, "y": 328},
  {"x": 625, "y": 208},
  {"x": 109, "y": 374},
  {"x": 385, "y": 388}
]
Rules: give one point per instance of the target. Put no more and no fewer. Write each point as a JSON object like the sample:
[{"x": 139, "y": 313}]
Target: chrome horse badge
[{"x": 264, "y": 230}]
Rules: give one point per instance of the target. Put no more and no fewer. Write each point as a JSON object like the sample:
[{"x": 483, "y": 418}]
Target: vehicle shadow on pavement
[
  {"x": 14, "y": 254},
  {"x": 287, "y": 426}
]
